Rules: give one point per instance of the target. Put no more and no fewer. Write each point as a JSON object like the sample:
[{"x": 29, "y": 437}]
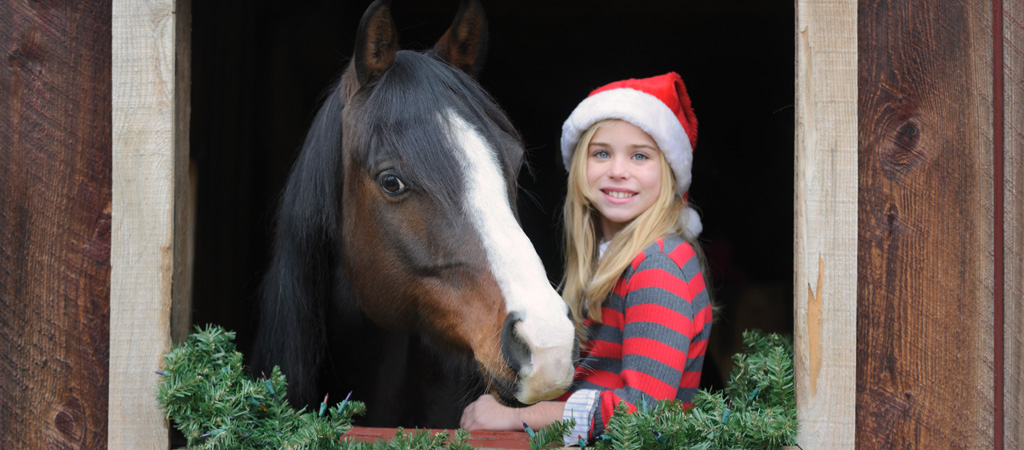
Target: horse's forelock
[{"x": 402, "y": 117}]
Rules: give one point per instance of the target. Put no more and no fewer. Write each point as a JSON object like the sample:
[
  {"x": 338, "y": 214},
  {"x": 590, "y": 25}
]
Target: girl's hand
[{"x": 487, "y": 414}]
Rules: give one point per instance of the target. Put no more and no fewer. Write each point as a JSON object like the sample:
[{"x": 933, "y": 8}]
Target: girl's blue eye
[
  {"x": 640, "y": 157},
  {"x": 601, "y": 154}
]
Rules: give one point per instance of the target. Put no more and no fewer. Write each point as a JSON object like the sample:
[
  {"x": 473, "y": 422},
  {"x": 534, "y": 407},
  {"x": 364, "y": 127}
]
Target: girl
[{"x": 633, "y": 268}]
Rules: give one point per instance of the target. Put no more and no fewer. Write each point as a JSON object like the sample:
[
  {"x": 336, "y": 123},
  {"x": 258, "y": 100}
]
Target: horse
[{"x": 399, "y": 271}]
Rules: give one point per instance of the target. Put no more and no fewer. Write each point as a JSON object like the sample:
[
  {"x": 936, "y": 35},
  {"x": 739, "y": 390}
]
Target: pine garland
[
  {"x": 756, "y": 411},
  {"x": 550, "y": 436},
  {"x": 207, "y": 394}
]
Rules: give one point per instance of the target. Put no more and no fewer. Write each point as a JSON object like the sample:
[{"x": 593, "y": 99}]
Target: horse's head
[{"x": 428, "y": 235}]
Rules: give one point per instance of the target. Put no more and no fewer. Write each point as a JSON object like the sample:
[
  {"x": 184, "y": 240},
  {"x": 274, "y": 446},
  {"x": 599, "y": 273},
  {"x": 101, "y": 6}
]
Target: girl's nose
[{"x": 618, "y": 168}]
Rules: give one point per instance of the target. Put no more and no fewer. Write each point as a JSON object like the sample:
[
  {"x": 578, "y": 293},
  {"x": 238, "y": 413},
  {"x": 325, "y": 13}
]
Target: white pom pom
[{"x": 691, "y": 223}]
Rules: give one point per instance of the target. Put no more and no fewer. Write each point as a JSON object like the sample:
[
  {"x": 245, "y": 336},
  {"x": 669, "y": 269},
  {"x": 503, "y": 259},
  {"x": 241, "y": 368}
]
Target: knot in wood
[{"x": 904, "y": 151}]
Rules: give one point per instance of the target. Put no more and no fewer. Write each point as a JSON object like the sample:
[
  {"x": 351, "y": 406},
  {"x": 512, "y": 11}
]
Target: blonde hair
[{"x": 588, "y": 278}]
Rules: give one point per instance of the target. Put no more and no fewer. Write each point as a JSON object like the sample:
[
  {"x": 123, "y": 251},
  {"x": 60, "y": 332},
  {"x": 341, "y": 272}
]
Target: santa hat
[{"x": 658, "y": 105}]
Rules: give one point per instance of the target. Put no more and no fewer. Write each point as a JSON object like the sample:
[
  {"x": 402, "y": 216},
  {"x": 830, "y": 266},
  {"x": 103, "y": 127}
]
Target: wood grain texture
[
  {"x": 1013, "y": 225},
  {"x": 825, "y": 253},
  {"x": 54, "y": 223},
  {"x": 925, "y": 290},
  {"x": 185, "y": 195},
  {"x": 150, "y": 200}
]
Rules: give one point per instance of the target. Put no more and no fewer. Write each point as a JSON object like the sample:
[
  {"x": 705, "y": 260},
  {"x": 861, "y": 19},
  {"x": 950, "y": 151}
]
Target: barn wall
[
  {"x": 55, "y": 223},
  {"x": 926, "y": 217},
  {"x": 926, "y": 373}
]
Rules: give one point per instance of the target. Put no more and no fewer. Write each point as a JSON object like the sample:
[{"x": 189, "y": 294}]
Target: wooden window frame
[
  {"x": 150, "y": 254},
  {"x": 152, "y": 203},
  {"x": 825, "y": 223}
]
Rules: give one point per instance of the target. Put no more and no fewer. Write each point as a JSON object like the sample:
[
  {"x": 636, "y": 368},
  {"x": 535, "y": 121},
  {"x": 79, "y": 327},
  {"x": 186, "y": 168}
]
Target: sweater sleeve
[{"x": 666, "y": 308}]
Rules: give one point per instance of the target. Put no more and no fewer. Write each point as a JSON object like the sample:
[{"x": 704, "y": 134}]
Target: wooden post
[
  {"x": 54, "y": 223},
  {"x": 825, "y": 253},
  {"x": 150, "y": 206},
  {"x": 1013, "y": 222},
  {"x": 925, "y": 352}
]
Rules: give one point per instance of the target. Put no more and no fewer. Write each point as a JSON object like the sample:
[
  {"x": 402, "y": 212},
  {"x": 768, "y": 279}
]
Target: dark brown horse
[{"x": 398, "y": 259}]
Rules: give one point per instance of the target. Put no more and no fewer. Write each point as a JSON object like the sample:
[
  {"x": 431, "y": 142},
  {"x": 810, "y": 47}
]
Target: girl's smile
[
  {"x": 617, "y": 195},
  {"x": 624, "y": 169}
]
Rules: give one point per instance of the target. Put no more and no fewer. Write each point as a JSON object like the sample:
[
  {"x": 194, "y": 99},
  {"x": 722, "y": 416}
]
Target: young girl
[{"x": 633, "y": 271}]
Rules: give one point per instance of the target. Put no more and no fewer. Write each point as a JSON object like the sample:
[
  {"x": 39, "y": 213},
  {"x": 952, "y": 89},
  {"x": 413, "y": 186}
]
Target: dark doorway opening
[{"x": 260, "y": 68}]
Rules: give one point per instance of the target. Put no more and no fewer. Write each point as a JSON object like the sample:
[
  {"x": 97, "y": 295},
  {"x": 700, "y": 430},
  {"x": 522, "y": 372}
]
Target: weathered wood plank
[
  {"x": 925, "y": 290},
  {"x": 150, "y": 203},
  {"x": 54, "y": 223},
  {"x": 185, "y": 195},
  {"x": 1013, "y": 223},
  {"x": 825, "y": 254}
]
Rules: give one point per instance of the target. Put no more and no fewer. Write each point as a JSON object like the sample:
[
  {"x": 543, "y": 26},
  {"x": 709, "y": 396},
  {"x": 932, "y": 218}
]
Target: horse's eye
[{"x": 392, "y": 184}]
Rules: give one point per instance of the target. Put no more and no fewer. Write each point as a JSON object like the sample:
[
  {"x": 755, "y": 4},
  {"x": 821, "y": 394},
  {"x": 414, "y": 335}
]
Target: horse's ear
[
  {"x": 464, "y": 45},
  {"x": 376, "y": 43}
]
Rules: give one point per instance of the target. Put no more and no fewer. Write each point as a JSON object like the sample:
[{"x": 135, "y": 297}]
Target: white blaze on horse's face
[{"x": 544, "y": 328}]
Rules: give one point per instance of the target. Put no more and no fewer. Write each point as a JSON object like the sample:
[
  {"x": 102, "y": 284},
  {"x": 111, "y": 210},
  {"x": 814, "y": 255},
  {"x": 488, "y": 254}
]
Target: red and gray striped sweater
[{"x": 653, "y": 335}]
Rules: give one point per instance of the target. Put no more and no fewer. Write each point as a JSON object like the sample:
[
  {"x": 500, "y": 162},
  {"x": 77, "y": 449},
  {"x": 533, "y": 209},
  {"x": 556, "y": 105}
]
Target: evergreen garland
[
  {"x": 550, "y": 436},
  {"x": 207, "y": 394},
  {"x": 756, "y": 411}
]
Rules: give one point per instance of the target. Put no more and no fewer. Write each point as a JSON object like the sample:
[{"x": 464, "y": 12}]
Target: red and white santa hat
[{"x": 658, "y": 105}]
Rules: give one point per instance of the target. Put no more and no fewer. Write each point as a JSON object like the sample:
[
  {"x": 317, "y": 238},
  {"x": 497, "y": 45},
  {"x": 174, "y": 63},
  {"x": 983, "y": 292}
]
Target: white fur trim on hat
[
  {"x": 690, "y": 221},
  {"x": 638, "y": 108}
]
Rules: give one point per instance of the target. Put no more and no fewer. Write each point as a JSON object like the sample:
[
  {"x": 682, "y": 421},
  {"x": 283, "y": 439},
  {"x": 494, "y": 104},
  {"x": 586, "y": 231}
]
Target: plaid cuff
[{"x": 579, "y": 407}]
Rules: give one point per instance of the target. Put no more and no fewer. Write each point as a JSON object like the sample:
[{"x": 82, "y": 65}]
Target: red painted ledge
[{"x": 503, "y": 440}]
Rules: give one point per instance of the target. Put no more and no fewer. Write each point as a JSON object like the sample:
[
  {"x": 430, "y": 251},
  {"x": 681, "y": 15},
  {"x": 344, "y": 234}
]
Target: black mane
[{"x": 297, "y": 286}]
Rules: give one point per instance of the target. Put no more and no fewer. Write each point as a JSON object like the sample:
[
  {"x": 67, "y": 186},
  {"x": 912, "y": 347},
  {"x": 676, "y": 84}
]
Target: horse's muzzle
[{"x": 542, "y": 359}]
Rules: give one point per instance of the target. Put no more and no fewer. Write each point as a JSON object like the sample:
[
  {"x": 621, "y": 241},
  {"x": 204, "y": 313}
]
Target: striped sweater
[{"x": 653, "y": 335}]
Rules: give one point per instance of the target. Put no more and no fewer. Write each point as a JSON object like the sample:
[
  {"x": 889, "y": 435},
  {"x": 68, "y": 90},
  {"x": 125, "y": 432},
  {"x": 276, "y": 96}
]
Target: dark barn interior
[{"x": 259, "y": 69}]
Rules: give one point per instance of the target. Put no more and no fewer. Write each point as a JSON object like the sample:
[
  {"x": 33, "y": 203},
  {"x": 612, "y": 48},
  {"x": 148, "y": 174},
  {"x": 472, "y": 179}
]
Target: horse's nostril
[{"x": 515, "y": 351}]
